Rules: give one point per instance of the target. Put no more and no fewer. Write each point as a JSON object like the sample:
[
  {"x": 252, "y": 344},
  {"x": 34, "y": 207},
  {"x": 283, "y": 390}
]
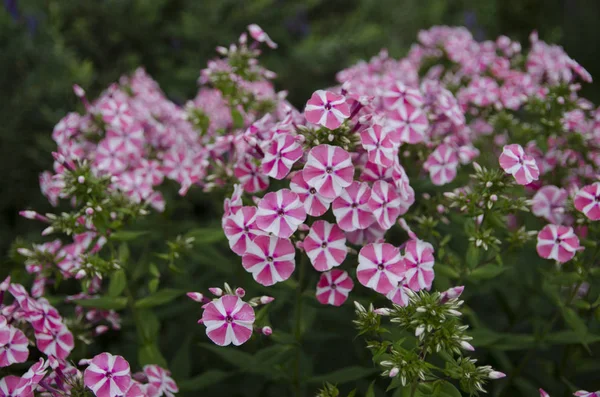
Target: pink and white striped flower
[
  {"x": 379, "y": 146},
  {"x": 250, "y": 176},
  {"x": 587, "y": 200},
  {"x": 280, "y": 213},
  {"x": 418, "y": 264},
  {"x": 110, "y": 156},
  {"x": 33, "y": 376},
  {"x": 314, "y": 203},
  {"x": 409, "y": 124},
  {"x": 398, "y": 294},
  {"x": 57, "y": 343},
  {"x": 351, "y": 208},
  {"x": 116, "y": 113},
  {"x": 385, "y": 204},
  {"x": 9, "y": 387},
  {"x": 549, "y": 203},
  {"x": 399, "y": 95},
  {"x": 372, "y": 234},
  {"x": 327, "y": 109},
  {"x": 325, "y": 245},
  {"x": 15, "y": 348},
  {"x": 380, "y": 267},
  {"x": 334, "y": 287},
  {"x": 258, "y": 34},
  {"x": 161, "y": 379},
  {"x": 270, "y": 259},
  {"x": 4, "y": 331},
  {"x": 442, "y": 164},
  {"x": 240, "y": 228},
  {"x": 557, "y": 242},
  {"x": 228, "y": 320},
  {"x": 329, "y": 170},
  {"x": 281, "y": 155},
  {"x": 515, "y": 162},
  {"x": 583, "y": 393},
  {"x": 108, "y": 375}
]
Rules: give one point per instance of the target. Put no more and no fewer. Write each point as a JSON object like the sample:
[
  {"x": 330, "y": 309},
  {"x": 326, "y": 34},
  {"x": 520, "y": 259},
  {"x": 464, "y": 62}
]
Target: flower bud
[
  {"x": 216, "y": 291},
  {"x": 266, "y": 331},
  {"x": 81, "y": 179},
  {"x": 383, "y": 311},
  {"x": 394, "y": 372},
  {"x": 240, "y": 292},
  {"x": 266, "y": 299},
  {"x": 496, "y": 375},
  {"x": 195, "y": 296},
  {"x": 89, "y": 211},
  {"x": 467, "y": 346}
]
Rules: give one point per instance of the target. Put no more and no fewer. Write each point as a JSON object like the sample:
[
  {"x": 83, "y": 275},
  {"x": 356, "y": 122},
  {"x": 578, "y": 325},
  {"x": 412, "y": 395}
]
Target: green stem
[{"x": 297, "y": 325}]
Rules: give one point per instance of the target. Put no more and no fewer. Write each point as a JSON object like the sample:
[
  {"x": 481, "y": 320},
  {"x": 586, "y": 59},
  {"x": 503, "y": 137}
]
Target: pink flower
[
  {"x": 4, "y": 331},
  {"x": 280, "y": 213},
  {"x": 281, "y": 155},
  {"x": 409, "y": 125},
  {"x": 379, "y": 267},
  {"x": 557, "y": 242},
  {"x": 34, "y": 375},
  {"x": 441, "y": 164},
  {"x": 399, "y": 95},
  {"x": 9, "y": 387},
  {"x": 57, "y": 343},
  {"x": 107, "y": 375},
  {"x": 351, "y": 208},
  {"x": 240, "y": 228},
  {"x": 543, "y": 393},
  {"x": 587, "y": 200},
  {"x": 325, "y": 245},
  {"x": 314, "y": 203},
  {"x": 259, "y": 35},
  {"x": 515, "y": 162},
  {"x": 15, "y": 349},
  {"x": 250, "y": 176},
  {"x": 327, "y": 109},
  {"x": 161, "y": 379},
  {"x": 583, "y": 393},
  {"x": 228, "y": 320},
  {"x": 372, "y": 234},
  {"x": 329, "y": 170},
  {"x": 385, "y": 204},
  {"x": 549, "y": 203},
  {"x": 333, "y": 287},
  {"x": 418, "y": 262},
  {"x": 116, "y": 113},
  {"x": 269, "y": 259},
  {"x": 378, "y": 144},
  {"x": 398, "y": 294}
]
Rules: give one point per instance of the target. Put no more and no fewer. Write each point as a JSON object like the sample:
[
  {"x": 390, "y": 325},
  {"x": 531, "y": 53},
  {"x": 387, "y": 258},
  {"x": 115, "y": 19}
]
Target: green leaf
[
  {"x": 105, "y": 302},
  {"x": 445, "y": 389},
  {"x": 128, "y": 235},
  {"x": 576, "y": 323},
  {"x": 238, "y": 119},
  {"x": 118, "y": 282},
  {"x": 147, "y": 326},
  {"x": 447, "y": 271},
  {"x": 353, "y": 394},
  {"x": 233, "y": 356},
  {"x": 206, "y": 235},
  {"x": 486, "y": 272},
  {"x": 472, "y": 256},
  {"x": 180, "y": 364},
  {"x": 371, "y": 390},
  {"x": 159, "y": 298},
  {"x": 570, "y": 337},
  {"x": 344, "y": 375},
  {"x": 153, "y": 285},
  {"x": 208, "y": 378},
  {"x": 150, "y": 354}
]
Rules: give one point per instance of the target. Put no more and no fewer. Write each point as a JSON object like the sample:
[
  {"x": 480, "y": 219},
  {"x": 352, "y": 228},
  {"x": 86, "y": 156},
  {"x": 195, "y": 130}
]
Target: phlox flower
[
  {"x": 110, "y": 156},
  {"x": 325, "y": 245},
  {"x": 327, "y": 109},
  {"x": 483, "y": 91},
  {"x": 549, "y": 203},
  {"x": 333, "y": 287},
  {"x": 107, "y": 375},
  {"x": 522, "y": 167},
  {"x": 587, "y": 200},
  {"x": 240, "y": 228},
  {"x": 385, "y": 204},
  {"x": 270, "y": 259},
  {"x": 418, "y": 263},
  {"x": 55, "y": 342},
  {"x": 15, "y": 348},
  {"x": 398, "y": 294},
  {"x": 280, "y": 213},
  {"x": 543, "y": 393},
  {"x": 379, "y": 267},
  {"x": 228, "y": 320},
  {"x": 329, "y": 170},
  {"x": 260, "y": 35},
  {"x": 409, "y": 124},
  {"x": 372, "y": 234},
  {"x": 161, "y": 379},
  {"x": 250, "y": 176},
  {"x": 583, "y": 393},
  {"x": 280, "y": 156},
  {"x": 398, "y": 94},
  {"x": 116, "y": 113},
  {"x": 377, "y": 143},
  {"x": 34, "y": 375},
  {"x": 351, "y": 208},
  {"x": 4, "y": 331},
  {"x": 557, "y": 242},
  {"x": 9, "y": 387},
  {"x": 442, "y": 164},
  {"x": 314, "y": 203}
]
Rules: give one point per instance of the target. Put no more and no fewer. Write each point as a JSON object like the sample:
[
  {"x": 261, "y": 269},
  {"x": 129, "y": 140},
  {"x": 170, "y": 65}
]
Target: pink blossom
[
  {"x": 327, "y": 109},
  {"x": 4, "y": 331},
  {"x": 583, "y": 393},
  {"x": 557, "y": 242},
  {"x": 515, "y": 162},
  {"x": 107, "y": 375},
  {"x": 379, "y": 267},
  {"x": 398, "y": 294},
  {"x": 351, "y": 208},
  {"x": 377, "y": 143},
  {"x": 549, "y": 203},
  {"x": 543, "y": 393},
  {"x": 270, "y": 259},
  {"x": 281, "y": 155},
  {"x": 314, "y": 203},
  {"x": 418, "y": 262},
  {"x": 15, "y": 348},
  {"x": 399, "y": 95},
  {"x": 9, "y": 387},
  {"x": 329, "y": 170},
  {"x": 483, "y": 91},
  {"x": 442, "y": 164},
  {"x": 372, "y": 234},
  {"x": 259, "y": 35},
  {"x": 325, "y": 245},
  {"x": 409, "y": 125},
  {"x": 56, "y": 342},
  {"x": 587, "y": 200},
  {"x": 250, "y": 176},
  {"x": 161, "y": 379},
  {"x": 451, "y": 293},
  {"x": 228, "y": 320},
  {"x": 385, "y": 204},
  {"x": 333, "y": 287},
  {"x": 240, "y": 228},
  {"x": 280, "y": 213}
]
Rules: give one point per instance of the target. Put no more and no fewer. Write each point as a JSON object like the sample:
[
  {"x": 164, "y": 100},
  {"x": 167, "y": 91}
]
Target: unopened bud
[
  {"x": 216, "y": 291},
  {"x": 89, "y": 211},
  {"x": 81, "y": 179},
  {"x": 195, "y": 296},
  {"x": 382, "y": 311},
  {"x": 266, "y": 331},
  {"x": 394, "y": 372},
  {"x": 266, "y": 299},
  {"x": 240, "y": 292},
  {"x": 496, "y": 375},
  {"x": 467, "y": 346},
  {"x": 80, "y": 274}
]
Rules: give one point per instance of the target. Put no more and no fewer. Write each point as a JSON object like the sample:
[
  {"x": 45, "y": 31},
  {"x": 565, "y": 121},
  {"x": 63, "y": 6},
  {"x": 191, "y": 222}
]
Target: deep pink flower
[
  {"x": 587, "y": 200},
  {"x": 399, "y": 94},
  {"x": 515, "y": 162},
  {"x": 270, "y": 259},
  {"x": 385, "y": 204},
  {"x": 380, "y": 267},
  {"x": 351, "y": 208},
  {"x": 329, "y": 170},
  {"x": 15, "y": 349},
  {"x": 161, "y": 379},
  {"x": 441, "y": 164},
  {"x": 260, "y": 35},
  {"x": 557, "y": 242},
  {"x": 543, "y": 393},
  {"x": 549, "y": 203},
  {"x": 9, "y": 387},
  {"x": 333, "y": 287},
  {"x": 377, "y": 143},
  {"x": 56, "y": 342},
  {"x": 281, "y": 155},
  {"x": 250, "y": 176},
  {"x": 409, "y": 125},
  {"x": 280, "y": 213},
  {"x": 4, "y": 331},
  {"x": 325, "y": 245},
  {"x": 314, "y": 203},
  {"x": 418, "y": 263},
  {"x": 240, "y": 228},
  {"x": 33, "y": 376},
  {"x": 107, "y": 375},
  {"x": 228, "y": 320},
  {"x": 583, "y": 393},
  {"x": 44, "y": 316},
  {"x": 327, "y": 109}
]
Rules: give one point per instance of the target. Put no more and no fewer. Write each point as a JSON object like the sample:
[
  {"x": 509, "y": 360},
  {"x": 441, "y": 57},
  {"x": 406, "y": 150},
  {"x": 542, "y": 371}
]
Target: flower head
[
  {"x": 325, "y": 245},
  {"x": 515, "y": 162},
  {"x": 228, "y": 320},
  {"x": 385, "y": 204},
  {"x": 557, "y": 242},
  {"x": 379, "y": 267},
  {"x": 108, "y": 375},
  {"x": 161, "y": 380},
  {"x": 15, "y": 349},
  {"x": 587, "y": 200},
  {"x": 281, "y": 155},
  {"x": 240, "y": 228},
  {"x": 333, "y": 287},
  {"x": 327, "y": 109},
  {"x": 270, "y": 259},
  {"x": 351, "y": 208},
  {"x": 280, "y": 213},
  {"x": 418, "y": 261},
  {"x": 329, "y": 170},
  {"x": 314, "y": 203}
]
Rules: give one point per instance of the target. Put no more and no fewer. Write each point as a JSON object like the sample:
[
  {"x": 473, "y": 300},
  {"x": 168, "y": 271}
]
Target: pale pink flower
[
  {"x": 329, "y": 170},
  {"x": 549, "y": 203},
  {"x": 418, "y": 265},
  {"x": 587, "y": 200},
  {"x": 399, "y": 94},
  {"x": 522, "y": 167},
  {"x": 280, "y": 213},
  {"x": 333, "y": 287},
  {"x": 325, "y": 245},
  {"x": 351, "y": 208},
  {"x": 116, "y": 113},
  {"x": 259, "y": 35},
  {"x": 557, "y": 242},
  {"x": 483, "y": 91},
  {"x": 583, "y": 393},
  {"x": 377, "y": 143},
  {"x": 161, "y": 379},
  {"x": 385, "y": 204},
  {"x": 409, "y": 125},
  {"x": 110, "y": 156},
  {"x": 327, "y": 109},
  {"x": 228, "y": 320},
  {"x": 9, "y": 387},
  {"x": 15, "y": 349},
  {"x": 442, "y": 164},
  {"x": 270, "y": 259},
  {"x": 372, "y": 234},
  {"x": 240, "y": 228},
  {"x": 250, "y": 176},
  {"x": 281, "y": 155},
  {"x": 380, "y": 267},
  {"x": 314, "y": 203},
  {"x": 108, "y": 375},
  {"x": 398, "y": 294},
  {"x": 56, "y": 342}
]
